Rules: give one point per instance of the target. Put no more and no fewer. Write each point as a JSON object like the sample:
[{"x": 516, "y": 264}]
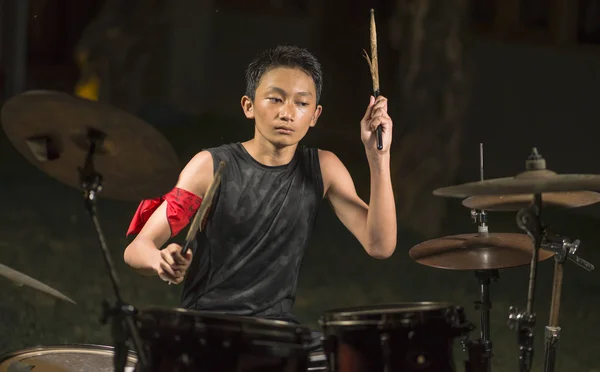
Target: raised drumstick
[{"x": 374, "y": 67}]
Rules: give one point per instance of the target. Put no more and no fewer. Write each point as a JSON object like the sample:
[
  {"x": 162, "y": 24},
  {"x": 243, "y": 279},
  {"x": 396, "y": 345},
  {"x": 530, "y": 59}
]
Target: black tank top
[{"x": 247, "y": 259}]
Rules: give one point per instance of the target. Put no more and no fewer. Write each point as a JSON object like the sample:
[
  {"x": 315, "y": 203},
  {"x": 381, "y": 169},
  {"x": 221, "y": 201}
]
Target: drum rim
[
  {"x": 38, "y": 350},
  {"x": 218, "y": 316},
  {"x": 378, "y": 313},
  {"x": 390, "y": 308},
  {"x": 300, "y": 334}
]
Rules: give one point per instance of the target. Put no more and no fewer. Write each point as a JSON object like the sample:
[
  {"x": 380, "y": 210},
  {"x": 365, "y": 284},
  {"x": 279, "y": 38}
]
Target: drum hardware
[
  {"x": 64, "y": 358},
  {"x": 537, "y": 174},
  {"x": 55, "y": 130},
  {"x": 52, "y": 130},
  {"x": 480, "y": 218},
  {"x": 187, "y": 340},
  {"x": 534, "y": 184},
  {"x": 484, "y": 253},
  {"x": 330, "y": 346},
  {"x": 563, "y": 249},
  {"x": 121, "y": 313},
  {"x": 523, "y": 322},
  {"x": 393, "y": 337},
  {"x": 529, "y": 220},
  {"x": 513, "y": 203},
  {"x": 22, "y": 279},
  {"x": 385, "y": 351},
  {"x": 476, "y": 251},
  {"x": 480, "y": 251},
  {"x": 480, "y": 351},
  {"x": 317, "y": 361}
]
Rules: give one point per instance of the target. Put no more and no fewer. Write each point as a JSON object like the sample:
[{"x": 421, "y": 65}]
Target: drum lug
[
  {"x": 385, "y": 347},
  {"x": 330, "y": 346}
]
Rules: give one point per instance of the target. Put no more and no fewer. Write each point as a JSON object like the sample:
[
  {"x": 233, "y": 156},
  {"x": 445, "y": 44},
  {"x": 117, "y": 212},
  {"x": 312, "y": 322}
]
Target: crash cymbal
[
  {"x": 477, "y": 252},
  {"x": 535, "y": 180},
  {"x": 569, "y": 199},
  {"x": 50, "y": 129},
  {"x": 23, "y": 279}
]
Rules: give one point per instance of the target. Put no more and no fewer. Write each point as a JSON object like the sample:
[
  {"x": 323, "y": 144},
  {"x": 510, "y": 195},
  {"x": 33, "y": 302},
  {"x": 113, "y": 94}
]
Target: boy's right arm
[{"x": 144, "y": 253}]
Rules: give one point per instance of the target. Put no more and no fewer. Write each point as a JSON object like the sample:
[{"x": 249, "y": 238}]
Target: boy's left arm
[{"x": 374, "y": 225}]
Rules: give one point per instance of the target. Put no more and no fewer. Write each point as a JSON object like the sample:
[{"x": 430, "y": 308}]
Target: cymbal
[
  {"x": 51, "y": 130},
  {"x": 569, "y": 199},
  {"x": 523, "y": 185},
  {"x": 535, "y": 180},
  {"x": 477, "y": 252},
  {"x": 23, "y": 279}
]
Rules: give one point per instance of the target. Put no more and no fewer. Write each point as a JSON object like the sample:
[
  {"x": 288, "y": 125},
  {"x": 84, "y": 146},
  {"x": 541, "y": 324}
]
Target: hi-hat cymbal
[
  {"x": 477, "y": 252},
  {"x": 535, "y": 180},
  {"x": 520, "y": 186},
  {"x": 568, "y": 199},
  {"x": 50, "y": 129},
  {"x": 23, "y": 279}
]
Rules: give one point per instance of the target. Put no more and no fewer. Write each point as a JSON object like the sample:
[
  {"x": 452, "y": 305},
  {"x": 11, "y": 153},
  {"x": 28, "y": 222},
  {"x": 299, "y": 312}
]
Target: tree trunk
[{"x": 433, "y": 91}]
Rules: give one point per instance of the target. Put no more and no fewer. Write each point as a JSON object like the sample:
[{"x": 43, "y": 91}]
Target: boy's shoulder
[{"x": 327, "y": 156}]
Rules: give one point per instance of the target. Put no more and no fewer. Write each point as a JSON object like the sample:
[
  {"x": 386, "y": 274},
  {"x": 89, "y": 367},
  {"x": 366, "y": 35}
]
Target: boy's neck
[{"x": 268, "y": 154}]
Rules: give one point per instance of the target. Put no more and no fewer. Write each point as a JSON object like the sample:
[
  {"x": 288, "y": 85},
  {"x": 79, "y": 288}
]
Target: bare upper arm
[
  {"x": 341, "y": 193},
  {"x": 195, "y": 177}
]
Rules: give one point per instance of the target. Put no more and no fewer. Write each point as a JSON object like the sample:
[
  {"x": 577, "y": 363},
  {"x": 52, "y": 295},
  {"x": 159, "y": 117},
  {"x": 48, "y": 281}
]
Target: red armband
[{"x": 181, "y": 206}]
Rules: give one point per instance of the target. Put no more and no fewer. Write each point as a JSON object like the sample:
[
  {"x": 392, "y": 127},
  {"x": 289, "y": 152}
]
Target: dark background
[{"x": 509, "y": 74}]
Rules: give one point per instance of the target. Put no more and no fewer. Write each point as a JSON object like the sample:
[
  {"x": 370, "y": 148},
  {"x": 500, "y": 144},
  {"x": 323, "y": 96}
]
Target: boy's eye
[{"x": 274, "y": 99}]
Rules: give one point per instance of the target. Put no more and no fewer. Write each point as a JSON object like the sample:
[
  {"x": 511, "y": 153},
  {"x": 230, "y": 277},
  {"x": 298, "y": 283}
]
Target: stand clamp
[
  {"x": 563, "y": 249},
  {"x": 523, "y": 322}
]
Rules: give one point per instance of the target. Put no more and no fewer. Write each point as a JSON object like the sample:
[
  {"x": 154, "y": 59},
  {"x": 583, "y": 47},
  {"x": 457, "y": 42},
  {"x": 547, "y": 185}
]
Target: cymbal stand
[
  {"x": 480, "y": 351},
  {"x": 121, "y": 312},
  {"x": 563, "y": 249},
  {"x": 528, "y": 220}
]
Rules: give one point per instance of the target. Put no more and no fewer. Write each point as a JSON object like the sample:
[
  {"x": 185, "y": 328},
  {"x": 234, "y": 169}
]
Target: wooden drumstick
[
  {"x": 374, "y": 67},
  {"x": 200, "y": 219}
]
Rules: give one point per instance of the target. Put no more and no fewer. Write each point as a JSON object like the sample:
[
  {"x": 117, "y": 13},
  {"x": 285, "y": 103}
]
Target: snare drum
[
  {"x": 403, "y": 337},
  {"x": 64, "y": 358},
  {"x": 186, "y": 340}
]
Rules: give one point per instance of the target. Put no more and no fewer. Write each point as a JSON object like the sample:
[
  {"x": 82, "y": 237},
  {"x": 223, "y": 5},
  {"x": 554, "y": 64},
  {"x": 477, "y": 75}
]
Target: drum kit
[{"x": 107, "y": 153}]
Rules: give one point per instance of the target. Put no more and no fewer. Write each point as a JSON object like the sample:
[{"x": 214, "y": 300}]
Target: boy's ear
[
  {"x": 248, "y": 107},
  {"x": 315, "y": 117}
]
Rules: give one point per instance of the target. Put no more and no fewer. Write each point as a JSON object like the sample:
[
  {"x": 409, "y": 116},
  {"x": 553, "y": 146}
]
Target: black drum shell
[
  {"x": 188, "y": 340},
  {"x": 412, "y": 336}
]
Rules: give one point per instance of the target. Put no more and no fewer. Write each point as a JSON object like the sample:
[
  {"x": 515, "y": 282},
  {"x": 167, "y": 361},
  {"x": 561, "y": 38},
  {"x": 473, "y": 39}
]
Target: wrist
[
  {"x": 378, "y": 160},
  {"x": 154, "y": 261}
]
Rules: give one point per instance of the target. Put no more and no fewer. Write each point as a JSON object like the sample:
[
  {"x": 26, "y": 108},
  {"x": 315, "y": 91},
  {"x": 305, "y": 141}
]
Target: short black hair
[{"x": 283, "y": 56}]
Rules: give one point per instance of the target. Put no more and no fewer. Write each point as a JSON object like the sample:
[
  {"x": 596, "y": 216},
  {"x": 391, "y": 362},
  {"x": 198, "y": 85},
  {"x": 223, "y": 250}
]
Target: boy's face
[{"x": 284, "y": 106}]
